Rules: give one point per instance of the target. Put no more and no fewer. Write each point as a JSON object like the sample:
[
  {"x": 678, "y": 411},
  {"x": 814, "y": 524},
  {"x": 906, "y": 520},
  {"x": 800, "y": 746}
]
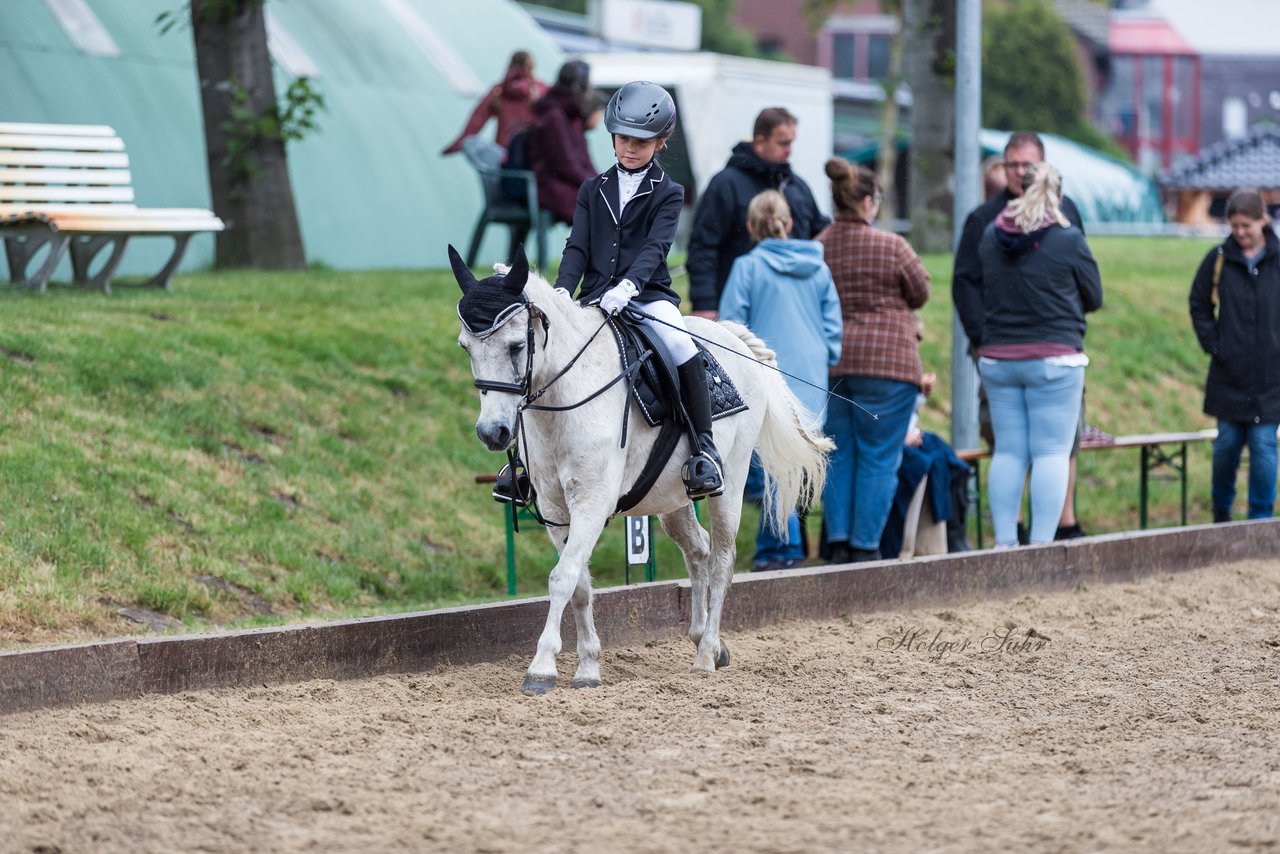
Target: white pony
[{"x": 525, "y": 341}]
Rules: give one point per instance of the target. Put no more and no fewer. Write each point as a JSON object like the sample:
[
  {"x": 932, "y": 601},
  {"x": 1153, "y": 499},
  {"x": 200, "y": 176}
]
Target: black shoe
[
  {"x": 1220, "y": 516},
  {"x": 1070, "y": 532},
  {"x": 841, "y": 552},
  {"x": 770, "y": 566},
  {"x": 513, "y": 488},
  {"x": 703, "y": 476},
  {"x": 865, "y": 555},
  {"x": 1024, "y": 535}
]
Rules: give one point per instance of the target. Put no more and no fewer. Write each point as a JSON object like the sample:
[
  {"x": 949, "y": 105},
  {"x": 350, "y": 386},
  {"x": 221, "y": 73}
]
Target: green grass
[{"x": 258, "y": 448}]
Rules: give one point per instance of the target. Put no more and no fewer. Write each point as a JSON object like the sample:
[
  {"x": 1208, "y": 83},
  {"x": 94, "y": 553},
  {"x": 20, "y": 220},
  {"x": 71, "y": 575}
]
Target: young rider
[{"x": 623, "y": 227}]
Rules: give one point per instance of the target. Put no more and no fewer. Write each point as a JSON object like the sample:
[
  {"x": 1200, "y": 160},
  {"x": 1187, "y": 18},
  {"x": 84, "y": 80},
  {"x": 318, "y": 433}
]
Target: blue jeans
[
  {"x": 863, "y": 476},
  {"x": 1035, "y": 407},
  {"x": 769, "y": 546},
  {"x": 1261, "y": 438}
]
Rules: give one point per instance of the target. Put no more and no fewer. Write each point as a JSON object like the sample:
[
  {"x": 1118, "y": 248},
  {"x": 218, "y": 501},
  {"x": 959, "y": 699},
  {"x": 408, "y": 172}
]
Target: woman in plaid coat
[{"x": 880, "y": 281}]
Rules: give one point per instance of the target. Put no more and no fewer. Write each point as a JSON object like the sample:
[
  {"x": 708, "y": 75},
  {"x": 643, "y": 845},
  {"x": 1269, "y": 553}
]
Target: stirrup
[
  {"x": 509, "y": 489},
  {"x": 702, "y": 477}
]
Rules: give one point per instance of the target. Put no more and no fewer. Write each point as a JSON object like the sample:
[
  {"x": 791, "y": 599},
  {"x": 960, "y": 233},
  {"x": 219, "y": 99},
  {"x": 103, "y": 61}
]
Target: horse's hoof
[
  {"x": 536, "y": 686},
  {"x": 585, "y": 683},
  {"x": 723, "y": 659}
]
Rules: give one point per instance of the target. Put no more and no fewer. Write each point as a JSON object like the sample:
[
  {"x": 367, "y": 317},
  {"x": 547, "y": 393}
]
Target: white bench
[{"x": 69, "y": 186}]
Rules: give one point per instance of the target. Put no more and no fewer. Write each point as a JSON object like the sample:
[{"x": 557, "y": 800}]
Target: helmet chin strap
[{"x": 639, "y": 170}]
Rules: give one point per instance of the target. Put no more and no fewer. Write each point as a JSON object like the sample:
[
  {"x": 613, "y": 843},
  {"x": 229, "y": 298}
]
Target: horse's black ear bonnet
[
  {"x": 487, "y": 303},
  {"x": 482, "y": 306}
]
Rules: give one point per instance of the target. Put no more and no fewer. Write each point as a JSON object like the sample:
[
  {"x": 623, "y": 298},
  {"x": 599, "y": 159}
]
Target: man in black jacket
[
  {"x": 720, "y": 224},
  {"x": 1023, "y": 150}
]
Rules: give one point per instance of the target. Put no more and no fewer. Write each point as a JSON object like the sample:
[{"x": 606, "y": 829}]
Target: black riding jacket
[{"x": 602, "y": 249}]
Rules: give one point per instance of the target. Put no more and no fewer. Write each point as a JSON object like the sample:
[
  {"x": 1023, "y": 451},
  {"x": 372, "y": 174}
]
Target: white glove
[
  {"x": 616, "y": 298},
  {"x": 564, "y": 292}
]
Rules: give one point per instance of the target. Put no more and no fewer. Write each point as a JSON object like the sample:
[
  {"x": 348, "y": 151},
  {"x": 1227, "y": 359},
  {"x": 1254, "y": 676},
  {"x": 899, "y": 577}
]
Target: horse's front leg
[
  {"x": 585, "y": 526},
  {"x": 588, "y": 673}
]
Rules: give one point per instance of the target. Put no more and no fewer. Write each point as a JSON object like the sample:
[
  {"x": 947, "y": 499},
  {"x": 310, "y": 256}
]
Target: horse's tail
[{"x": 792, "y": 450}]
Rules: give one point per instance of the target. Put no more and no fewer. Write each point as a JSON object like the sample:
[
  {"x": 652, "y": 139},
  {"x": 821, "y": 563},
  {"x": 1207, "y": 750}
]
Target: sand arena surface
[{"x": 1140, "y": 716}]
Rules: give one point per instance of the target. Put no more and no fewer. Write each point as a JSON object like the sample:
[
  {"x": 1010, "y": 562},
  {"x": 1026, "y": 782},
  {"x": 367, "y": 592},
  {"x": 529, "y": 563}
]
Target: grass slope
[{"x": 257, "y": 448}]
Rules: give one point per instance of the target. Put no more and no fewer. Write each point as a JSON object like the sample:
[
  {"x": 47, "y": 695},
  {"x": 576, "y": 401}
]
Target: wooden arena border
[{"x": 63, "y": 676}]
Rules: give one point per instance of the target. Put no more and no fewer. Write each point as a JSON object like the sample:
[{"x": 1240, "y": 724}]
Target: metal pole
[{"x": 964, "y": 377}]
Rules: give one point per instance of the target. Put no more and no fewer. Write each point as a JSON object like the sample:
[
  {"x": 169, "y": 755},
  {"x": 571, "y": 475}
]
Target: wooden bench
[
  {"x": 69, "y": 187},
  {"x": 1152, "y": 456}
]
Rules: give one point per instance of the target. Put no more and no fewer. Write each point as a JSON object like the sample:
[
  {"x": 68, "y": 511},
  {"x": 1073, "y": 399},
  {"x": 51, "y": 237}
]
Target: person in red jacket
[
  {"x": 510, "y": 102},
  {"x": 558, "y": 143}
]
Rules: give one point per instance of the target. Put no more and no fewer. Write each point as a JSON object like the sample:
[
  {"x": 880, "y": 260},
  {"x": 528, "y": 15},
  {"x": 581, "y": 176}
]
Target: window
[
  {"x": 878, "y": 50},
  {"x": 1235, "y": 118},
  {"x": 1182, "y": 96},
  {"x": 1116, "y": 106},
  {"x": 861, "y": 46},
  {"x": 842, "y": 56},
  {"x": 1152, "y": 97}
]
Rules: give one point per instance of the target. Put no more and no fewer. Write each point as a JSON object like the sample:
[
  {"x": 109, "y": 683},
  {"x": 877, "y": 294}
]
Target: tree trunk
[
  {"x": 929, "y": 62},
  {"x": 889, "y": 130},
  {"x": 248, "y": 173}
]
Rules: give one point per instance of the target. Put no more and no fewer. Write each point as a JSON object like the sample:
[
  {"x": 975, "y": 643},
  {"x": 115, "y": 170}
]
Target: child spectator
[{"x": 783, "y": 291}]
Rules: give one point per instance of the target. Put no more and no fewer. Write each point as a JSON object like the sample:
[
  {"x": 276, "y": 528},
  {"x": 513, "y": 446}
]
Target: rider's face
[{"x": 634, "y": 153}]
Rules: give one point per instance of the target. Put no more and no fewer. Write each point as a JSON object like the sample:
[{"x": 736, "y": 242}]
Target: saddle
[{"x": 654, "y": 384}]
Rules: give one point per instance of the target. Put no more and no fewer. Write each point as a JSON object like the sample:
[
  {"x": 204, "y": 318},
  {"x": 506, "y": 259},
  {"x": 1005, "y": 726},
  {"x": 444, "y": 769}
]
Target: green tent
[{"x": 399, "y": 77}]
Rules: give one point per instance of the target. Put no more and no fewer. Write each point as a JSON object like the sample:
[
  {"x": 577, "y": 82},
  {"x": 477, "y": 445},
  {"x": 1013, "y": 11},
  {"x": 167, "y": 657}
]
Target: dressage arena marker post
[
  {"x": 639, "y": 535},
  {"x": 424, "y": 641}
]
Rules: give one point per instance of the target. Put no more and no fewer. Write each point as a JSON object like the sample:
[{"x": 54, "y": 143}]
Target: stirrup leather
[
  {"x": 514, "y": 489},
  {"x": 702, "y": 476}
]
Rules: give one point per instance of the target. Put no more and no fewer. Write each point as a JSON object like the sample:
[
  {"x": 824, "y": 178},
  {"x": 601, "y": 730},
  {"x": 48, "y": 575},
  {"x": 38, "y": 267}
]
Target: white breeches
[{"x": 677, "y": 340}]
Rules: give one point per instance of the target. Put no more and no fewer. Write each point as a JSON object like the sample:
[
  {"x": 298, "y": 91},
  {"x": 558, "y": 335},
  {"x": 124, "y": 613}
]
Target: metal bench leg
[
  {"x": 85, "y": 248},
  {"x": 540, "y": 227},
  {"x": 19, "y": 248},
  {"x": 165, "y": 276},
  {"x": 510, "y": 518},
  {"x": 1143, "y": 490},
  {"x": 475, "y": 242},
  {"x": 1182, "y": 470}
]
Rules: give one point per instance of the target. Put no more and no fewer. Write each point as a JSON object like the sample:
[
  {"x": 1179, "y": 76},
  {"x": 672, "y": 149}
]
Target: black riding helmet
[{"x": 642, "y": 110}]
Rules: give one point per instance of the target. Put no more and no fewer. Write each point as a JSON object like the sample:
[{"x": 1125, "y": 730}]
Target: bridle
[
  {"x": 531, "y": 342},
  {"x": 523, "y": 386}
]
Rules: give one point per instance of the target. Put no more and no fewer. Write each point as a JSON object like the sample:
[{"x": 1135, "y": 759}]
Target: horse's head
[{"x": 496, "y": 329}]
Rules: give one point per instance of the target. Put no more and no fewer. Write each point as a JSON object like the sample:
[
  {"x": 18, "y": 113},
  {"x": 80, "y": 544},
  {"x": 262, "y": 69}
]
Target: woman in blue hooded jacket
[{"x": 783, "y": 291}]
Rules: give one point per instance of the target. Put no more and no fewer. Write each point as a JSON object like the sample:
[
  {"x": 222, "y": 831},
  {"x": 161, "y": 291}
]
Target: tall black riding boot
[{"x": 703, "y": 473}]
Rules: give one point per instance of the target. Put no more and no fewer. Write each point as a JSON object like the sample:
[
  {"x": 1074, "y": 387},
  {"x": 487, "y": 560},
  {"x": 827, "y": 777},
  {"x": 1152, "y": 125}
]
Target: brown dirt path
[{"x": 1148, "y": 720}]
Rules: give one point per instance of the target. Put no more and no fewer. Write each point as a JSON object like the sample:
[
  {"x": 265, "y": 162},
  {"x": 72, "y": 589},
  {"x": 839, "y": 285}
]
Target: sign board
[
  {"x": 637, "y": 529},
  {"x": 662, "y": 24}
]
